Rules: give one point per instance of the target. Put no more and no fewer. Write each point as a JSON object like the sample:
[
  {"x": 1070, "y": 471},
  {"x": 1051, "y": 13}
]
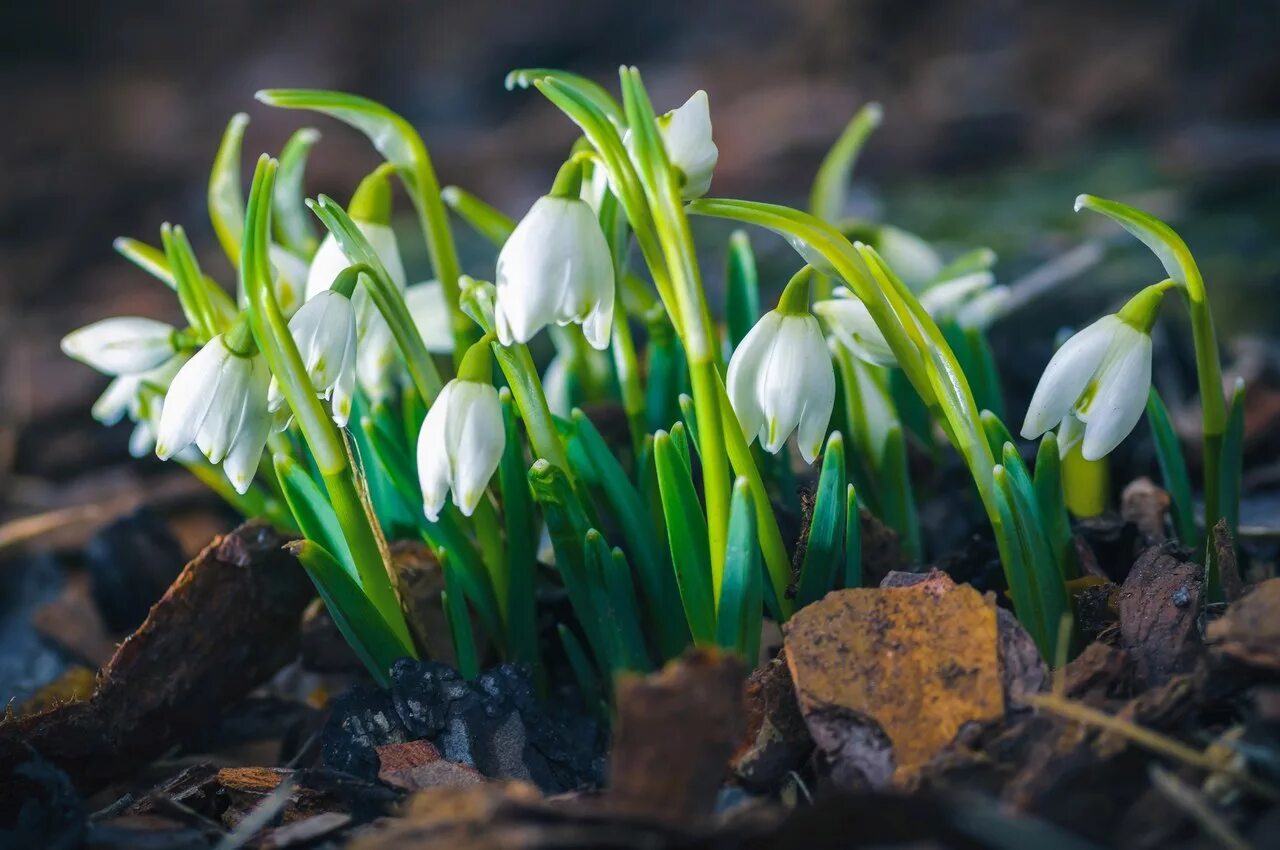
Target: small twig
[
  {"x": 1198, "y": 807},
  {"x": 1149, "y": 740},
  {"x": 262, "y": 815}
]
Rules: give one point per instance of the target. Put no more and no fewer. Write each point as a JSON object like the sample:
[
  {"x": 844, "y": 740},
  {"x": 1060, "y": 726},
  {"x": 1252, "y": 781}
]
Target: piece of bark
[
  {"x": 1098, "y": 674},
  {"x": 881, "y": 549},
  {"x": 415, "y": 765},
  {"x": 1159, "y": 604},
  {"x": 1249, "y": 632},
  {"x": 1146, "y": 505},
  {"x": 304, "y": 831},
  {"x": 777, "y": 740},
  {"x": 673, "y": 736},
  {"x": 227, "y": 624},
  {"x": 1224, "y": 550},
  {"x": 421, "y": 582},
  {"x": 887, "y": 677}
]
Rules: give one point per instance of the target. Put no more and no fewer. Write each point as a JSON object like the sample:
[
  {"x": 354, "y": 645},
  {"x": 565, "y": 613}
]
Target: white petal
[
  {"x": 435, "y": 473},
  {"x": 329, "y": 260},
  {"x": 290, "y": 278},
  {"x": 850, "y": 322},
  {"x": 242, "y": 460},
  {"x": 781, "y": 381},
  {"x": 943, "y": 300},
  {"x": 555, "y": 386},
  {"x": 190, "y": 398},
  {"x": 1070, "y": 433},
  {"x": 1124, "y": 381},
  {"x": 121, "y": 345},
  {"x": 817, "y": 385},
  {"x": 377, "y": 360},
  {"x": 230, "y": 395},
  {"x": 1068, "y": 373},
  {"x": 686, "y": 134},
  {"x": 985, "y": 309},
  {"x": 116, "y": 399},
  {"x": 744, "y": 372},
  {"x": 911, "y": 258},
  {"x": 478, "y": 437},
  {"x": 430, "y": 311}
]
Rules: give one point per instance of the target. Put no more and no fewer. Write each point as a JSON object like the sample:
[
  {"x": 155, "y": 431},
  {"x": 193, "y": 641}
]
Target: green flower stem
[
  {"x": 626, "y": 363},
  {"x": 325, "y": 441},
  {"x": 526, "y": 390},
  {"x": 697, "y": 332},
  {"x": 1180, "y": 265},
  {"x": 193, "y": 290},
  {"x": 397, "y": 140}
]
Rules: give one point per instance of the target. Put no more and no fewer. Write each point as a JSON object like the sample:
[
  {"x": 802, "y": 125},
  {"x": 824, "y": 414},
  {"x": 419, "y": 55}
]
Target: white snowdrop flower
[
  {"x": 122, "y": 345},
  {"x": 851, "y": 324},
  {"x": 430, "y": 312},
  {"x": 291, "y": 275},
  {"x": 330, "y": 261},
  {"x": 686, "y": 134},
  {"x": 555, "y": 268},
  {"x": 944, "y": 300},
  {"x": 910, "y": 257},
  {"x": 1095, "y": 386},
  {"x": 462, "y": 438},
  {"x": 324, "y": 330},
  {"x": 123, "y": 395},
  {"x": 780, "y": 376},
  {"x": 218, "y": 400}
]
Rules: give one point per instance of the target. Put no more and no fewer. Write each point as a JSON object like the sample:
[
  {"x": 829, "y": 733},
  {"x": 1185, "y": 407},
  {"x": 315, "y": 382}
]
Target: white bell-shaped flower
[
  {"x": 686, "y": 134},
  {"x": 1095, "y": 386},
  {"x": 981, "y": 311},
  {"x": 462, "y": 438},
  {"x": 122, "y": 345},
  {"x": 324, "y": 330},
  {"x": 218, "y": 400},
  {"x": 379, "y": 367},
  {"x": 780, "y": 376},
  {"x": 851, "y": 324},
  {"x": 944, "y": 300},
  {"x": 429, "y": 309},
  {"x": 555, "y": 268},
  {"x": 330, "y": 261}
]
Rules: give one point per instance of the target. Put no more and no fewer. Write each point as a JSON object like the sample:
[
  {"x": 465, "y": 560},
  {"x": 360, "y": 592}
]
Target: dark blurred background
[{"x": 997, "y": 114}]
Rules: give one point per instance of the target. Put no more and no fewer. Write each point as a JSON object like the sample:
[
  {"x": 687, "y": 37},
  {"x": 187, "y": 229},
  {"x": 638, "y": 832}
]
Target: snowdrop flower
[
  {"x": 1095, "y": 387},
  {"x": 851, "y": 324},
  {"x": 325, "y": 332},
  {"x": 943, "y": 301},
  {"x": 555, "y": 268},
  {"x": 686, "y": 134},
  {"x": 218, "y": 400},
  {"x": 330, "y": 261},
  {"x": 984, "y": 309},
  {"x": 291, "y": 274},
  {"x": 122, "y": 345},
  {"x": 462, "y": 438},
  {"x": 378, "y": 364},
  {"x": 780, "y": 376},
  {"x": 430, "y": 312}
]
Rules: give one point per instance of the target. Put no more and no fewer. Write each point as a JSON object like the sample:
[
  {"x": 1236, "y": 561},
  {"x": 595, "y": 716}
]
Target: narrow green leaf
[
  {"x": 490, "y": 222},
  {"x": 740, "y": 608},
  {"x": 687, "y": 535},
  {"x": 1015, "y": 557},
  {"x": 154, "y": 262},
  {"x": 1233, "y": 459},
  {"x": 517, "y": 513},
  {"x": 984, "y": 375},
  {"x": 458, "y": 619},
  {"x": 226, "y": 195},
  {"x": 1052, "y": 503},
  {"x": 690, "y": 416},
  {"x": 588, "y": 680},
  {"x": 977, "y": 260},
  {"x": 831, "y": 186},
  {"x": 589, "y": 89},
  {"x": 996, "y": 431},
  {"x": 822, "y": 555},
  {"x": 289, "y": 220},
  {"x": 680, "y": 440},
  {"x": 630, "y": 511},
  {"x": 1048, "y": 577},
  {"x": 900, "y": 504},
  {"x": 375, "y": 642},
  {"x": 315, "y": 516},
  {"x": 852, "y": 539},
  {"x": 1173, "y": 468},
  {"x": 195, "y": 296},
  {"x": 618, "y": 617},
  {"x": 742, "y": 290},
  {"x": 667, "y": 375}
]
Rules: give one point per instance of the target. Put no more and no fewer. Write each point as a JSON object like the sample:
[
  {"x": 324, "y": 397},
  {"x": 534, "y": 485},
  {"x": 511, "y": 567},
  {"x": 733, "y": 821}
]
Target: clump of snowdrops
[{"x": 334, "y": 397}]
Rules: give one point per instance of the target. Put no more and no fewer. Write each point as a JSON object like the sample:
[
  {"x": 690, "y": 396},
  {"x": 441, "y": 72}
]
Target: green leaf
[
  {"x": 1016, "y": 558},
  {"x": 517, "y": 513},
  {"x": 154, "y": 262},
  {"x": 984, "y": 375},
  {"x": 742, "y": 290},
  {"x": 997, "y": 432},
  {"x": 490, "y": 222},
  {"x": 852, "y": 539},
  {"x": 977, "y": 260},
  {"x": 668, "y": 375},
  {"x": 687, "y": 535},
  {"x": 616, "y": 606},
  {"x": 315, "y": 516},
  {"x": 741, "y": 605},
  {"x": 586, "y": 88},
  {"x": 690, "y": 416},
  {"x": 585, "y": 675},
  {"x": 195, "y": 295},
  {"x": 1049, "y": 584},
  {"x": 458, "y": 618},
  {"x": 823, "y": 546},
  {"x": 1233, "y": 458},
  {"x": 226, "y": 195},
  {"x": 1173, "y": 468},
  {"x": 289, "y": 220},
  {"x": 630, "y": 511},
  {"x": 375, "y": 642},
  {"x": 1052, "y": 502},
  {"x": 831, "y": 186},
  {"x": 900, "y": 504}
]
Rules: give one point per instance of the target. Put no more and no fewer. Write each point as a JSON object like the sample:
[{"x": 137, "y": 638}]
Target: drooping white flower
[
  {"x": 780, "y": 376},
  {"x": 460, "y": 445},
  {"x": 122, "y": 345},
  {"x": 430, "y": 312},
  {"x": 686, "y": 134},
  {"x": 944, "y": 300},
  {"x": 1095, "y": 386},
  {"x": 984, "y": 309},
  {"x": 329, "y": 260},
  {"x": 555, "y": 268},
  {"x": 122, "y": 396},
  {"x": 851, "y": 324},
  {"x": 911, "y": 258},
  {"x": 218, "y": 400},
  {"x": 379, "y": 367},
  {"x": 324, "y": 330}
]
